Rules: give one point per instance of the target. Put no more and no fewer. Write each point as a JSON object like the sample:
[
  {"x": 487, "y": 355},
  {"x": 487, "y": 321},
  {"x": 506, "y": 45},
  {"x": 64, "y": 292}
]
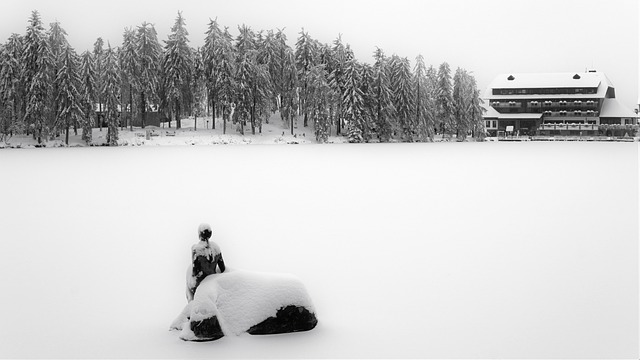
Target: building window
[{"x": 577, "y": 113}]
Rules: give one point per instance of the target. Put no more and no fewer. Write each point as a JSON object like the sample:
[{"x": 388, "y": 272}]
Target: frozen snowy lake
[{"x": 424, "y": 251}]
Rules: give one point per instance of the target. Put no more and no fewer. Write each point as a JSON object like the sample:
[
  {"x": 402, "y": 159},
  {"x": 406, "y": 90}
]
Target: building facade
[{"x": 554, "y": 104}]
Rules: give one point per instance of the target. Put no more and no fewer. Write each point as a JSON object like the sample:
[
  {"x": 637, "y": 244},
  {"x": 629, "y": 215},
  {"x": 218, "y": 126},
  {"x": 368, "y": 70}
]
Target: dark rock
[
  {"x": 288, "y": 319},
  {"x": 207, "y": 329}
]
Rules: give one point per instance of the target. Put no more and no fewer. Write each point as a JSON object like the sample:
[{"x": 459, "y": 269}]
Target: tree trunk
[
  {"x": 131, "y": 107},
  {"x": 213, "y": 114},
  {"x": 178, "y": 121},
  {"x": 253, "y": 117},
  {"x": 143, "y": 113},
  {"x": 224, "y": 120},
  {"x": 66, "y": 138},
  {"x": 99, "y": 120}
]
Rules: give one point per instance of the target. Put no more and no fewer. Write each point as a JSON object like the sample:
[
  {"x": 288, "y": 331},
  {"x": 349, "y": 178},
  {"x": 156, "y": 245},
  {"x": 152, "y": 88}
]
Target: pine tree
[
  {"x": 461, "y": 103},
  {"x": 198, "y": 89},
  {"x": 112, "y": 95},
  {"x": 98, "y": 56},
  {"x": 212, "y": 58},
  {"x": 12, "y": 90},
  {"x": 477, "y": 111},
  {"x": 269, "y": 55},
  {"x": 306, "y": 57},
  {"x": 58, "y": 44},
  {"x": 88, "y": 94},
  {"x": 129, "y": 64},
  {"x": 320, "y": 99},
  {"x": 289, "y": 87},
  {"x": 432, "y": 89},
  {"x": 367, "y": 89},
  {"x": 337, "y": 77},
  {"x": 353, "y": 102},
  {"x": 263, "y": 87},
  {"x": 226, "y": 77},
  {"x": 444, "y": 100},
  {"x": 245, "y": 63},
  {"x": 423, "y": 101},
  {"x": 149, "y": 62},
  {"x": 37, "y": 70},
  {"x": 68, "y": 96},
  {"x": 177, "y": 66},
  {"x": 382, "y": 98},
  {"x": 404, "y": 101}
]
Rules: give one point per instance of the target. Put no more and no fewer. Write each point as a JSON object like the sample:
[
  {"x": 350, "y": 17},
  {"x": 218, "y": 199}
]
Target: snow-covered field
[
  {"x": 193, "y": 132},
  {"x": 449, "y": 250}
]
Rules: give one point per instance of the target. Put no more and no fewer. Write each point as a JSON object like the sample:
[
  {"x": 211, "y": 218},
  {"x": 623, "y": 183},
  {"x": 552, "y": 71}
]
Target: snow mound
[{"x": 240, "y": 300}]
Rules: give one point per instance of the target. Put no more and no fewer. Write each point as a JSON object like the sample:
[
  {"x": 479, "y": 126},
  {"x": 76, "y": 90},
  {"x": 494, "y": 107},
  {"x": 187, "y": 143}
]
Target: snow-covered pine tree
[
  {"x": 129, "y": 65},
  {"x": 382, "y": 99},
  {"x": 337, "y": 78},
  {"x": 263, "y": 87},
  {"x": 320, "y": 99},
  {"x": 88, "y": 94},
  {"x": 432, "y": 88},
  {"x": 12, "y": 89},
  {"x": 212, "y": 53},
  {"x": 366, "y": 87},
  {"x": 226, "y": 73},
  {"x": 177, "y": 64},
  {"x": 353, "y": 102},
  {"x": 149, "y": 61},
  {"x": 477, "y": 110},
  {"x": 404, "y": 101},
  {"x": 37, "y": 68},
  {"x": 269, "y": 55},
  {"x": 444, "y": 101},
  {"x": 253, "y": 80},
  {"x": 245, "y": 61},
  {"x": 111, "y": 92},
  {"x": 98, "y": 56},
  {"x": 68, "y": 100},
  {"x": 306, "y": 57},
  {"x": 461, "y": 103},
  {"x": 289, "y": 97},
  {"x": 198, "y": 86},
  {"x": 423, "y": 102},
  {"x": 58, "y": 44}
]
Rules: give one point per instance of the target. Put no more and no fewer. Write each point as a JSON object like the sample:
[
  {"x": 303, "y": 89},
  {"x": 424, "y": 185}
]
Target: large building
[{"x": 554, "y": 104}]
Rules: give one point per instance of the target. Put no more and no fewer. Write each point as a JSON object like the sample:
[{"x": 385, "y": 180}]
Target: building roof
[
  {"x": 550, "y": 80},
  {"x": 491, "y": 113},
  {"x": 612, "y": 108}
]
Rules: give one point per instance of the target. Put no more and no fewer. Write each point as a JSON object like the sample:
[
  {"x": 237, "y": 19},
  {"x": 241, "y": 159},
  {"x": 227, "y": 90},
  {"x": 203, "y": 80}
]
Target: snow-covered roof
[
  {"x": 550, "y": 80},
  {"x": 612, "y": 108},
  {"x": 491, "y": 112}
]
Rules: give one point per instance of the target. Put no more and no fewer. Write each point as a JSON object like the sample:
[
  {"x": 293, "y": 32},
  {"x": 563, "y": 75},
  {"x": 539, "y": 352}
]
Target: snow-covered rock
[{"x": 236, "y": 301}]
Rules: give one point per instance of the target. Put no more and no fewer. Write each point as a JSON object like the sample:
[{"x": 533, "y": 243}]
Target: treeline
[{"x": 47, "y": 88}]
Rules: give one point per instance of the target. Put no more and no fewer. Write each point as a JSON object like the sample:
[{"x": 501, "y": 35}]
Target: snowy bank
[{"x": 237, "y": 301}]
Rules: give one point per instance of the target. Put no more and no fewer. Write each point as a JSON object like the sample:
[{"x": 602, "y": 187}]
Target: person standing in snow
[{"x": 205, "y": 258}]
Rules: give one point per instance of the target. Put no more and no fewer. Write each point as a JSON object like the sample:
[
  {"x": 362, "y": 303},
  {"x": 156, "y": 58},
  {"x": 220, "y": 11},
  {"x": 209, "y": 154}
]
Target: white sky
[{"x": 488, "y": 37}]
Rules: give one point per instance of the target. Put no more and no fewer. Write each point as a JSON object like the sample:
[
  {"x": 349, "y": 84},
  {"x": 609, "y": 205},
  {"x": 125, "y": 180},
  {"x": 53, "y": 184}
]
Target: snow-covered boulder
[{"x": 237, "y": 301}]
